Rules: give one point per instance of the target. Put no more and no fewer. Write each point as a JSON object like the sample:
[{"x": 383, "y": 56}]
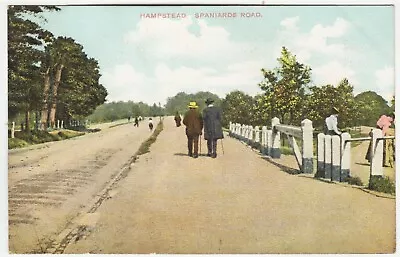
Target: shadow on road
[
  {"x": 282, "y": 167},
  {"x": 185, "y": 154},
  {"x": 364, "y": 164}
]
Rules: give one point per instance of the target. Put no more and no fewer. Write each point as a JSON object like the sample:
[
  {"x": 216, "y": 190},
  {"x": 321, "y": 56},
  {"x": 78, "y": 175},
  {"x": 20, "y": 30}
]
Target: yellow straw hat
[{"x": 193, "y": 105}]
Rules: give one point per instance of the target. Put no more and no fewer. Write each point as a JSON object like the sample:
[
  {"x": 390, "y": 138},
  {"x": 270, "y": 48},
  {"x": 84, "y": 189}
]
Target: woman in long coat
[{"x": 212, "y": 117}]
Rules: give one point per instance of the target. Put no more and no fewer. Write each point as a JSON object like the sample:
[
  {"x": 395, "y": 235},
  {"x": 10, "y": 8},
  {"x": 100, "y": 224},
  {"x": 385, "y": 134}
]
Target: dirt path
[
  {"x": 49, "y": 185},
  {"x": 237, "y": 203}
]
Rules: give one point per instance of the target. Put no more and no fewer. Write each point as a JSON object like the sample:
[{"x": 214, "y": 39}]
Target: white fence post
[
  {"x": 269, "y": 142},
  {"x": 257, "y": 135},
  {"x": 242, "y": 132},
  {"x": 236, "y": 130},
  {"x": 13, "y": 130},
  {"x": 62, "y": 124},
  {"x": 264, "y": 140},
  {"x": 320, "y": 154},
  {"x": 251, "y": 135},
  {"x": 376, "y": 168},
  {"x": 335, "y": 158},
  {"x": 346, "y": 157},
  {"x": 307, "y": 129},
  {"x": 276, "y": 139},
  {"x": 58, "y": 124},
  {"x": 328, "y": 157}
]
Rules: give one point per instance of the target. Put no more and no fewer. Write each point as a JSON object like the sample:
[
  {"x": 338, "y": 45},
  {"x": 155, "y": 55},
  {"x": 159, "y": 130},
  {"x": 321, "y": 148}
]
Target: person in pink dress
[{"x": 383, "y": 123}]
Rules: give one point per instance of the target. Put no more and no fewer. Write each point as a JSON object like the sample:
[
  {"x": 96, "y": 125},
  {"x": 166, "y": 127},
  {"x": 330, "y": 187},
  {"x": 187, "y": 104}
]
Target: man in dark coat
[
  {"x": 194, "y": 125},
  {"x": 212, "y": 117}
]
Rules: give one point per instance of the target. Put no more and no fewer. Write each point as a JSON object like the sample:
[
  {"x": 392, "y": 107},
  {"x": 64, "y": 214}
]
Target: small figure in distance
[
  {"x": 177, "y": 119},
  {"x": 150, "y": 124}
]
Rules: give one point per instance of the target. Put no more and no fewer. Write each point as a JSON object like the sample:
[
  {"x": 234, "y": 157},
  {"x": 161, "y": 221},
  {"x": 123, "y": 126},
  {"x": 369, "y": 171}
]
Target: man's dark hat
[
  {"x": 335, "y": 110},
  {"x": 209, "y": 101}
]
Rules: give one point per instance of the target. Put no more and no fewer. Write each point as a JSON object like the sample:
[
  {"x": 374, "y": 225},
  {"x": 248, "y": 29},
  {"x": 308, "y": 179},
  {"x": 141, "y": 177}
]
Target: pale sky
[{"x": 150, "y": 59}]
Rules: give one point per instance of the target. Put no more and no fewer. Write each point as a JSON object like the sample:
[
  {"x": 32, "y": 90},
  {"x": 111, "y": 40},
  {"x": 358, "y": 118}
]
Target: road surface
[
  {"x": 62, "y": 200},
  {"x": 52, "y": 183}
]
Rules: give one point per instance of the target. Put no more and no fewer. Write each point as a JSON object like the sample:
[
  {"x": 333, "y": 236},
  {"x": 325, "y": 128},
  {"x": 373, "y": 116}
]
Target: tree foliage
[
  {"x": 121, "y": 110},
  {"x": 54, "y": 76},
  {"x": 237, "y": 107},
  {"x": 180, "y": 101},
  {"x": 284, "y": 88},
  {"x": 321, "y": 100},
  {"x": 370, "y": 107},
  {"x": 25, "y": 42}
]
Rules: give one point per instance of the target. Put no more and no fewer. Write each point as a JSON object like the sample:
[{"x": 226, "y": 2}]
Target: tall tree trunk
[
  {"x": 54, "y": 98},
  {"x": 45, "y": 113},
  {"x": 27, "y": 127}
]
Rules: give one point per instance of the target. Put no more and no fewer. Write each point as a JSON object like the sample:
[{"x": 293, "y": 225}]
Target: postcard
[{"x": 201, "y": 128}]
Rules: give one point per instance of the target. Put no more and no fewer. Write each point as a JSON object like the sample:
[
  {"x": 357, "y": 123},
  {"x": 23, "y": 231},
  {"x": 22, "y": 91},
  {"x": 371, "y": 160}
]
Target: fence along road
[{"x": 236, "y": 203}]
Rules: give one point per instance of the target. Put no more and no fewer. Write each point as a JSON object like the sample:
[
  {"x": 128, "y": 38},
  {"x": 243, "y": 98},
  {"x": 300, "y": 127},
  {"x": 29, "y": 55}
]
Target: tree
[
  {"x": 62, "y": 53},
  {"x": 370, "y": 107},
  {"x": 237, "y": 107},
  {"x": 180, "y": 101},
  {"x": 25, "y": 40},
  {"x": 321, "y": 100},
  {"x": 80, "y": 91},
  {"x": 119, "y": 110},
  {"x": 261, "y": 112},
  {"x": 284, "y": 88}
]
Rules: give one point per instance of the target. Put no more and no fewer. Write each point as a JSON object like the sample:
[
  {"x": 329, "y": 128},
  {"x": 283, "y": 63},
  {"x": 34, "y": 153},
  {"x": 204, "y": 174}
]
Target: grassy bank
[
  {"x": 24, "y": 139},
  {"x": 145, "y": 146}
]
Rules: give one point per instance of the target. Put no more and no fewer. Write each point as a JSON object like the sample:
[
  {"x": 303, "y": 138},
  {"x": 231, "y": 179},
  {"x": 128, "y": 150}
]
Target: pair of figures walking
[{"x": 195, "y": 121}]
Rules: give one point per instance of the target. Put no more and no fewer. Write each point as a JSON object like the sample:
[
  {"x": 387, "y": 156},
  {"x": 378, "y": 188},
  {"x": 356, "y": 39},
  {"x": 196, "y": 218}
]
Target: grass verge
[
  {"x": 23, "y": 138},
  {"x": 354, "y": 181},
  {"x": 382, "y": 184},
  {"x": 145, "y": 146}
]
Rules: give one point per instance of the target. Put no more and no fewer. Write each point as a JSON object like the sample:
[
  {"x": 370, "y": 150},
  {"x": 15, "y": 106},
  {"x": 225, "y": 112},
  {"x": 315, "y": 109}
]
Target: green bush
[
  {"x": 354, "y": 181},
  {"x": 36, "y": 136},
  {"x": 69, "y": 134},
  {"x": 382, "y": 184},
  {"x": 16, "y": 143},
  {"x": 286, "y": 150}
]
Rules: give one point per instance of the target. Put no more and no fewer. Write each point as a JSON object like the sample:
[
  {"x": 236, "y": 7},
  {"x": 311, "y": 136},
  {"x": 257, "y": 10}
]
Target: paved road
[
  {"x": 237, "y": 203},
  {"x": 49, "y": 185}
]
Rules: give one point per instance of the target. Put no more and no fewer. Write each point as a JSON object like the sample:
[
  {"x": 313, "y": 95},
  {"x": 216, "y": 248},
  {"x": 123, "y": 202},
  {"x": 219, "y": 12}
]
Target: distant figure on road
[
  {"x": 136, "y": 122},
  {"x": 129, "y": 119},
  {"x": 212, "y": 117},
  {"x": 383, "y": 123},
  {"x": 194, "y": 125},
  {"x": 150, "y": 124},
  {"x": 177, "y": 119},
  {"x": 331, "y": 123}
]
